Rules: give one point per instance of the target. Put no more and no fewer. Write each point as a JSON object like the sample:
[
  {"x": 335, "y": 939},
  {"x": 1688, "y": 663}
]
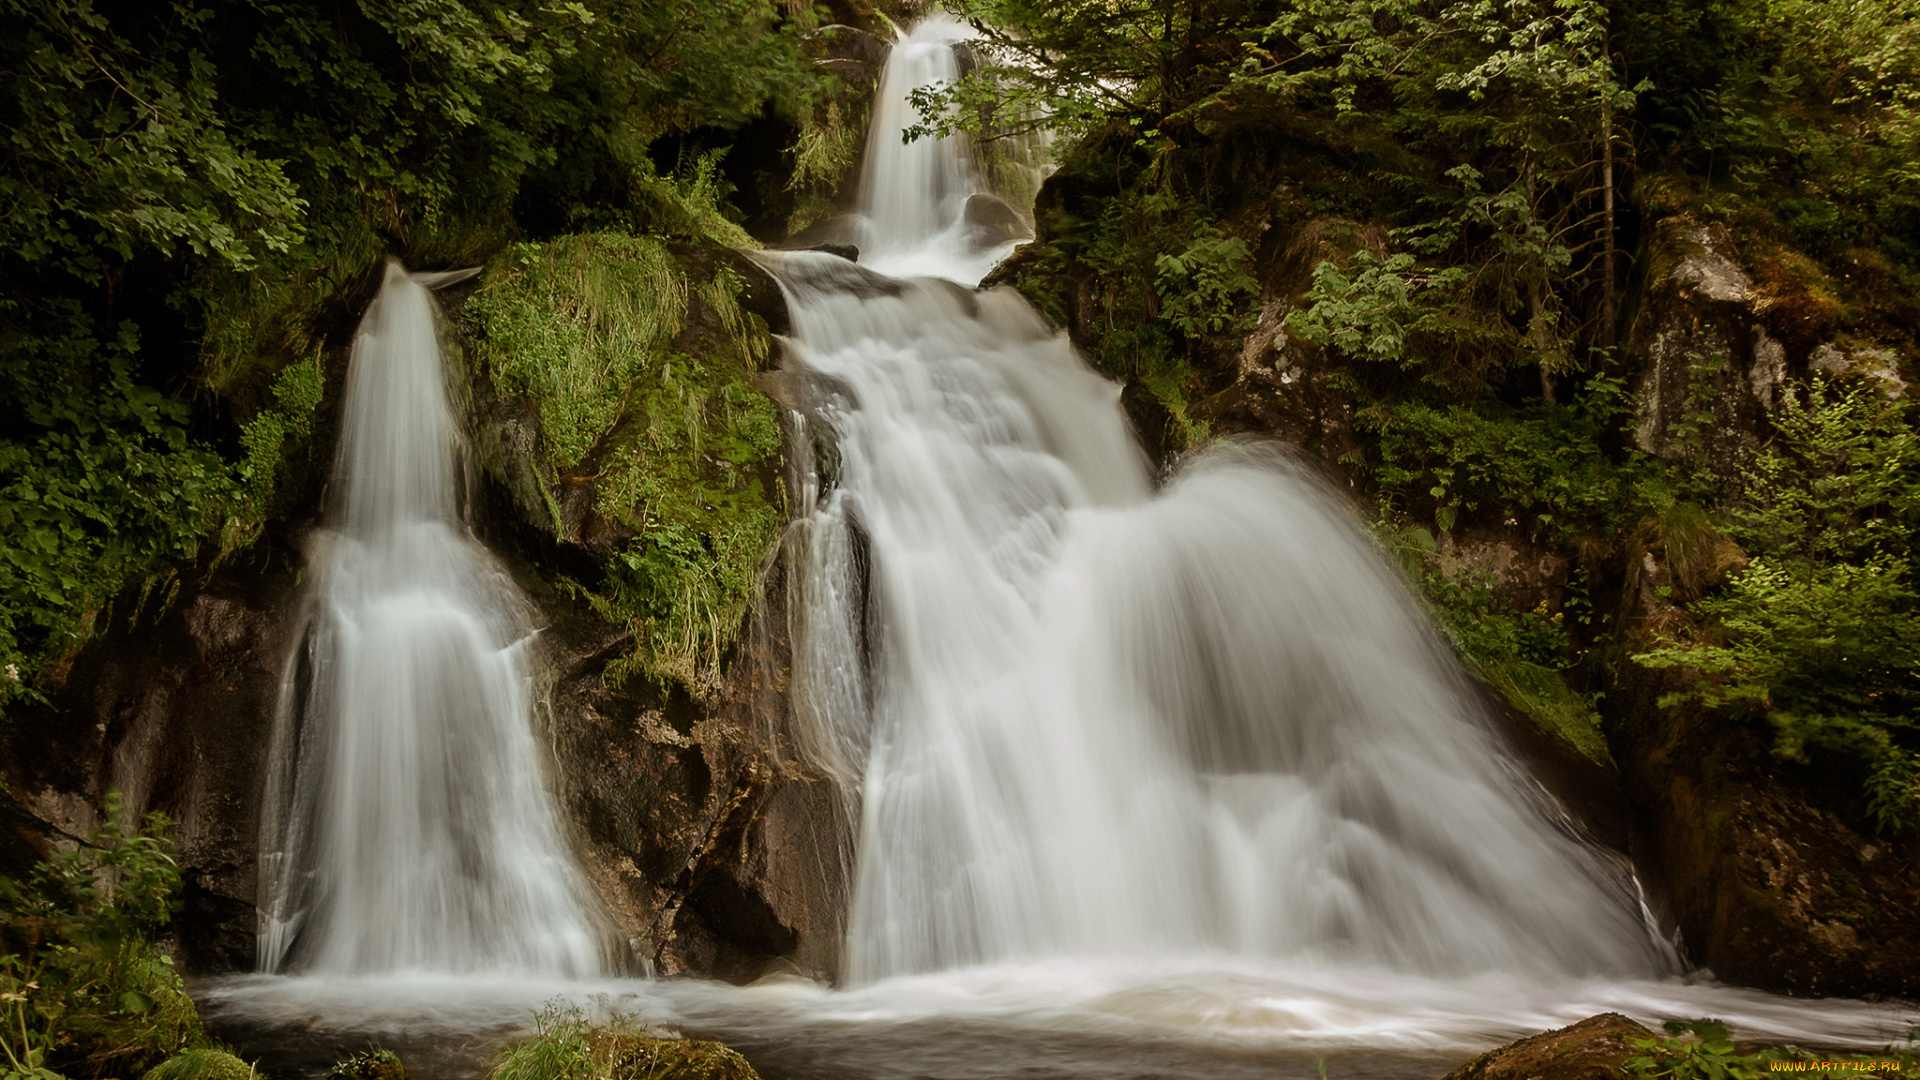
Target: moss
[
  {"x": 640, "y": 372},
  {"x": 566, "y": 1047},
  {"x": 1520, "y": 655},
  {"x": 201, "y": 1065},
  {"x": 1542, "y": 695}
]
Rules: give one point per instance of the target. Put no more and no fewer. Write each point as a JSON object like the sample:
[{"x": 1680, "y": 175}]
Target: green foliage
[
  {"x": 100, "y": 485},
  {"x": 118, "y": 146},
  {"x": 369, "y": 1065},
  {"x": 1523, "y": 656},
  {"x": 89, "y": 995},
  {"x": 1369, "y": 311},
  {"x": 1702, "y": 1050},
  {"x": 1542, "y": 465},
  {"x": 565, "y": 1046},
  {"x": 573, "y": 323},
  {"x": 1205, "y": 287},
  {"x": 1801, "y": 105},
  {"x": 1821, "y": 632},
  {"x": 296, "y": 394},
  {"x": 676, "y": 442}
]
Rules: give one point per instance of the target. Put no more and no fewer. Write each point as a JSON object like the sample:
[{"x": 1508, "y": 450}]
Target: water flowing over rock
[
  {"x": 1089, "y": 717},
  {"x": 408, "y": 826}
]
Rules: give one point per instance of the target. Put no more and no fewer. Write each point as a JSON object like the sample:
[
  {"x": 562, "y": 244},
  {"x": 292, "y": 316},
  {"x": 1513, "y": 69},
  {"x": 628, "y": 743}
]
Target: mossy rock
[
  {"x": 201, "y": 1065},
  {"x": 1596, "y": 1048},
  {"x": 369, "y": 1065},
  {"x": 683, "y": 1059}
]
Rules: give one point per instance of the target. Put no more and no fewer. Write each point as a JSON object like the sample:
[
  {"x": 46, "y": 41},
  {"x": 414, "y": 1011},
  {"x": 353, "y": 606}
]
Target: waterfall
[
  {"x": 409, "y": 828},
  {"x": 913, "y": 195},
  {"x": 1095, "y": 717}
]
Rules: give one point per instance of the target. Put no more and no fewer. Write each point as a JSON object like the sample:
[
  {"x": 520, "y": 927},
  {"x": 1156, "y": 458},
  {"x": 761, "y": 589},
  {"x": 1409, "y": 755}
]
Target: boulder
[
  {"x": 992, "y": 222},
  {"x": 1593, "y": 1049}
]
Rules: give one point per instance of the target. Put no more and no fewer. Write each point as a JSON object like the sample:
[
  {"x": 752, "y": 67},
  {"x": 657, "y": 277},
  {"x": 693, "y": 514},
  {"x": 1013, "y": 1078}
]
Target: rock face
[
  {"x": 1770, "y": 882},
  {"x": 176, "y": 714},
  {"x": 713, "y": 854},
  {"x": 1767, "y": 886},
  {"x": 1593, "y": 1049},
  {"x": 1709, "y": 368}
]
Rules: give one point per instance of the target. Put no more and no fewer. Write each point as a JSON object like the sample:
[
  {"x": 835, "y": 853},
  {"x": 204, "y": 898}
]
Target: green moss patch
[
  {"x": 566, "y": 1047},
  {"x": 201, "y": 1065},
  {"x": 640, "y": 371}
]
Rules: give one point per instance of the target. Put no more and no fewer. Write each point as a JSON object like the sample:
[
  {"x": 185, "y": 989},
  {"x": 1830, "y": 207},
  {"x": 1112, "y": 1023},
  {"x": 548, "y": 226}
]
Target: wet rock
[
  {"x": 845, "y": 251},
  {"x": 1709, "y": 369},
  {"x": 1767, "y": 883},
  {"x": 181, "y": 710},
  {"x": 838, "y": 41},
  {"x": 1593, "y": 1049},
  {"x": 853, "y": 71},
  {"x": 992, "y": 222}
]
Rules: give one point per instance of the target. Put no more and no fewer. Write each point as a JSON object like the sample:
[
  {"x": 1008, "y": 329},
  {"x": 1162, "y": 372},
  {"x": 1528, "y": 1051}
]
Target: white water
[
  {"x": 1153, "y": 782},
  {"x": 913, "y": 195},
  {"x": 1103, "y": 718},
  {"x": 409, "y": 827},
  {"x": 1100, "y": 718}
]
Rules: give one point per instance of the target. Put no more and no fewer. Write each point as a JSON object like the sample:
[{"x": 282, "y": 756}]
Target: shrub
[
  {"x": 565, "y": 1046},
  {"x": 83, "y": 989}
]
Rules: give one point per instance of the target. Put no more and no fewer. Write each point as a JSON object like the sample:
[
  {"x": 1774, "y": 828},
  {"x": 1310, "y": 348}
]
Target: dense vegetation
[
  {"x": 85, "y": 990},
  {"x": 197, "y": 195},
  {"x": 1462, "y": 196}
]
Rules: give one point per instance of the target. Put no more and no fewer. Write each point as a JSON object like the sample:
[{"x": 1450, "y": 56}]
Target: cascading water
[
  {"x": 409, "y": 828},
  {"x": 1151, "y": 783},
  {"x": 913, "y": 195},
  {"x": 1095, "y": 718}
]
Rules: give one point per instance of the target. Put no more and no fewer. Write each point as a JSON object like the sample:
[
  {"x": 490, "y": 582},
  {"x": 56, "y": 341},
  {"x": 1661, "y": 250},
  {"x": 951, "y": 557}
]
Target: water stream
[
  {"x": 408, "y": 827},
  {"x": 1153, "y": 780}
]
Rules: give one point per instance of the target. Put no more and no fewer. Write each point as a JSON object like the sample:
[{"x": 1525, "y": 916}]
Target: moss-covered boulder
[
  {"x": 567, "y": 1047},
  {"x": 206, "y": 1064}
]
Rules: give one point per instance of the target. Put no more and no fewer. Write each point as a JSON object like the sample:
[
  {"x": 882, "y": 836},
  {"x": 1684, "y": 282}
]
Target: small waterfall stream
[{"x": 409, "y": 827}]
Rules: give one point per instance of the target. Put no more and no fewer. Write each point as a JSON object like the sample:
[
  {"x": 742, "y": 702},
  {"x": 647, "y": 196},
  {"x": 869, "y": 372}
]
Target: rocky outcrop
[
  {"x": 1770, "y": 870},
  {"x": 1593, "y": 1049},
  {"x": 1770, "y": 879},
  {"x": 712, "y": 852},
  {"x": 1709, "y": 370}
]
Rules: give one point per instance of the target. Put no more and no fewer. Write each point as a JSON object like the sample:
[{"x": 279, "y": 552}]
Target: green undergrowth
[
  {"x": 369, "y": 1065},
  {"x": 641, "y": 374},
  {"x": 201, "y": 1064},
  {"x": 1703, "y": 1050},
  {"x": 1819, "y": 633},
  {"x": 84, "y": 989},
  {"x": 1522, "y": 656},
  {"x": 566, "y": 1046}
]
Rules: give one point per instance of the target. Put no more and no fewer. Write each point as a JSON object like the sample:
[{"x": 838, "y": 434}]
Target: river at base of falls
[{"x": 1147, "y": 1017}]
